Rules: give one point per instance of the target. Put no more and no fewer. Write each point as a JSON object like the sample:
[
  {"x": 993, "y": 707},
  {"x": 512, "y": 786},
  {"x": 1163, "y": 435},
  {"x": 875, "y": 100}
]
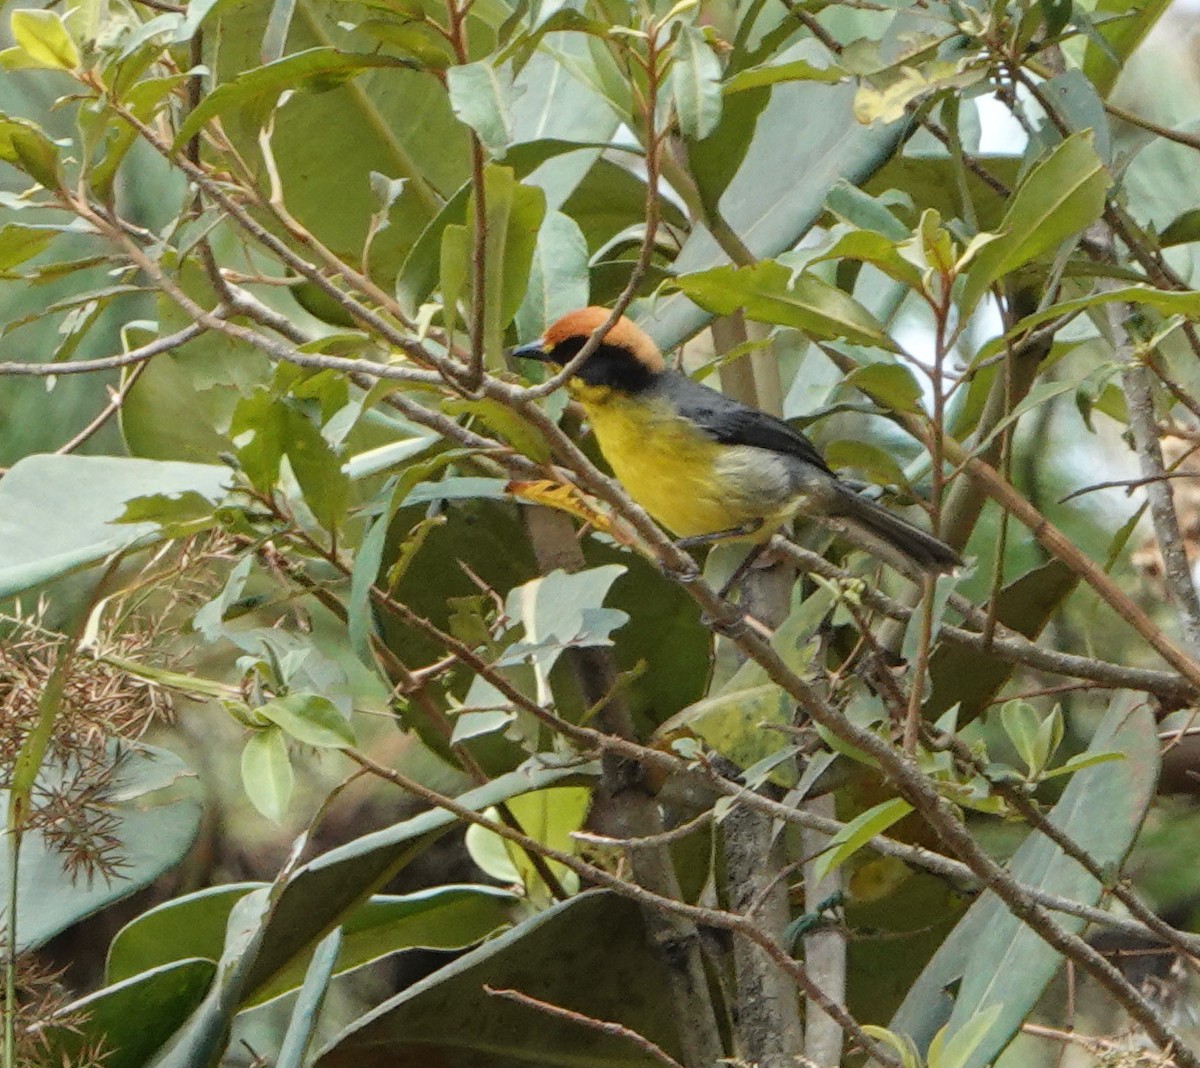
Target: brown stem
[{"x": 605, "y": 1027}]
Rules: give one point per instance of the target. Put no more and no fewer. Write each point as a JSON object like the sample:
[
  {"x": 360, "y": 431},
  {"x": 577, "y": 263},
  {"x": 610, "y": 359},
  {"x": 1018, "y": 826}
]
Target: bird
[{"x": 707, "y": 467}]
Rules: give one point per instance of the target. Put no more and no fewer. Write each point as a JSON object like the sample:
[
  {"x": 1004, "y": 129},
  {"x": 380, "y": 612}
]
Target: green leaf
[
  {"x": 859, "y": 832},
  {"x": 901, "y": 1045},
  {"x": 202, "y": 1039},
  {"x": 865, "y": 246},
  {"x": 21, "y": 243},
  {"x": 259, "y": 426},
  {"x": 367, "y": 562},
  {"x": 890, "y": 384},
  {"x": 302, "y": 1024},
  {"x": 558, "y": 276},
  {"x": 716, "y": 160},
  {"x": 1049, "y": 736},
  {"x": 450, "y": 917},
  {"x": 57, "y": 513},
  {"x": 548, "y": 816},
  {"x": 455, "y": 264},
  {"x": 1060, "y": 197},
  {"x": 954, "y": 1051},
  {"x": 267, "y": 775},
  {"x": 866, "y": 212},
  {"x": 879, "y": 465},
  {"x": 154, "y": 828},
  {"x": 310, "y": 719},
  {"x": 768, "y": 293},
  {"x": 132, "y": 1018},
  {"x": 322, "y": 892},
  {"x": 1171, "y": 302},
  {"x": 991, "y": 958},
  {"x": 559, "y": 606},
  {"x": 798, "y": 70},
  {"x": 1079, "y": 106},
  {"x": 564, "y": 20},
  {"x": 145, "y": 100},
  {"x": 190, "y": 926},
  {"x": 255, "y": 92},
  {"x": 549, "y": 953},
  {"x": 778, "y": 192},
  {"x": 209, "y": 619},
  {"x": 1081, "y": 761},
  {"x": 504, "y": 421},
  {"x": 318, "y": 469},
  {"x": 1102, "y": 64},
  {"x": 1182, "y": 230},
  {"x": 178, "y": 515},
  {"x": 1022, "y": 724},
  {"x": 735, "y": 719},
  {"x": 481, "y": 97},
  {"x": 695, "y": 84},
  {"x": 737, "y": 724},
  {"x": 447, "y": 917},
  {"x": 418, "y": 276},
  {"x": 514, "y": 215},
  {"x": 417, "y": 40},
  {"x": 43, "y": 37},
  {"x": 27, "y": 148}
]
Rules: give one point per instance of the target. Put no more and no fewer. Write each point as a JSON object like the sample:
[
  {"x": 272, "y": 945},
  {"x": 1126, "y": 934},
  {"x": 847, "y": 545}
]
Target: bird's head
[{"x": 626, "y": 361}]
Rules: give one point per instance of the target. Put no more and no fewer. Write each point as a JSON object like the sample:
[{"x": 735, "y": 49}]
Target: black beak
[{"x": 531, "y": 351}]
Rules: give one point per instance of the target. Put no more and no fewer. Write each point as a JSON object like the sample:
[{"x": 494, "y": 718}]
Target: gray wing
[{"x": 733, "y": 423}]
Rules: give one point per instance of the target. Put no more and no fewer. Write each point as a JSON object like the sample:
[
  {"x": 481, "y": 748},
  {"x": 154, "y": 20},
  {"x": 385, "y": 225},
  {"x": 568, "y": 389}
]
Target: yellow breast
[{"x": 679, "y": 474}]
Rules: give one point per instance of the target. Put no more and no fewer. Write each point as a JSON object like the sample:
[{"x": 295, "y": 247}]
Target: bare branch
[
  {"x": 109, "y": 363},
  {"x": 607, "y": 1027}
]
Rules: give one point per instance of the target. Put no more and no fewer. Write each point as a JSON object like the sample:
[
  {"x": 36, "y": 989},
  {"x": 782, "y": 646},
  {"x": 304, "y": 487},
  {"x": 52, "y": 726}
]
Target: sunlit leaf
[
  {"x": 768, "y": 292},
  {"x": 798, "y": 70},
  {"x": 1059, "y": 198},
  {"x": 43, "y": 37},
  {"x": 859, "y": 832}
]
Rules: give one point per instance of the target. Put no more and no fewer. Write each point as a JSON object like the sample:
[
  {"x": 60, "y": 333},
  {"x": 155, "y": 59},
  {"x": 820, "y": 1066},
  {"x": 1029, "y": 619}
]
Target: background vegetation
[{"x": 349, "y": 713}]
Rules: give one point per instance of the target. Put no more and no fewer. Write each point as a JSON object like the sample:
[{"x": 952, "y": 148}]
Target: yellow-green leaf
[
  {"x": 768, "y": 292},
  {"x": 1061, "y": 197},
  {"x": 43, "y": 37},
  {"x": 859, "y": 831}
]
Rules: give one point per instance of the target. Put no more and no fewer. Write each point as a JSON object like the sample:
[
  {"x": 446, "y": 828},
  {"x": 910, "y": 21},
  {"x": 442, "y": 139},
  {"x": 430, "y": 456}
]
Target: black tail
[{"x": 896, "y": 541}]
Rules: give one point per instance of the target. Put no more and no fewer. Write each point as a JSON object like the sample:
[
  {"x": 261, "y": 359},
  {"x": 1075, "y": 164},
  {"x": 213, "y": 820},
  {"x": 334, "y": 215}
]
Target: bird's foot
[
  {"x": 733, "y": 625},
  {"x": 689, "y": 572}
]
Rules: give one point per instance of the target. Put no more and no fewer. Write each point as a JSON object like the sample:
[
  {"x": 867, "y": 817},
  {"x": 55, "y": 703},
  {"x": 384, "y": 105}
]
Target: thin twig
[
  {"x": 369, "y": 318},
  {"x": 1006, "y": 644},
  {"x": 108, "y": 363},
  {"x": 1098, "y": 1046},
  {"x": 1127, "y": 484},
  {"x": 107, "y": 412},
  {"x": 1177, "y": 572},
  {"x": 607, "y": 1027}
]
